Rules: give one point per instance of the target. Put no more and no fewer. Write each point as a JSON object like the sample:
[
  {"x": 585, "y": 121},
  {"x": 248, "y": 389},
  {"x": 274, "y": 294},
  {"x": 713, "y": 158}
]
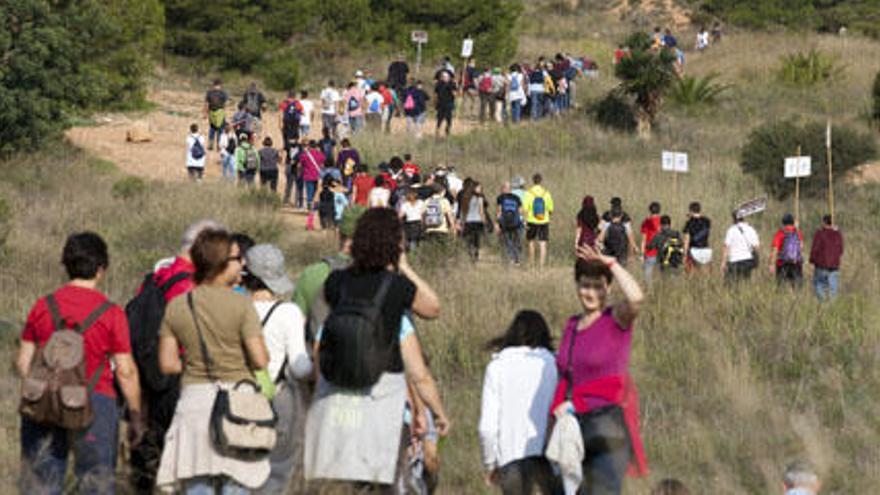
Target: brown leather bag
[{"x": 55, "y": 391}]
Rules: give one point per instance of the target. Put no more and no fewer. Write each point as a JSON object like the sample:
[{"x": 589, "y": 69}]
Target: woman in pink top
[
  {"x": 312, "y": 162},
  {"x": 593, "y": 365}
]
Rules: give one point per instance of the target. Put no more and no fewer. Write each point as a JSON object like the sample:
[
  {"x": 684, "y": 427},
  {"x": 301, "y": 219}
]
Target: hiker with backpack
[
  {"x": 293, "y": 174},
  {"x": 439, "y": 220},
  {"x": 587, "y": 231},
  {"x": 311, "y": 162},
  {"x": 740, "y": 254},
  {"x": 195, "y": 154},
  {"x": 411, "y": 212},
  {"x": 488, "y": 98},
  {"x": 290, "y": 361},
  {"x": 170, "y": 278},
  {"x": 825, "y": 254},
  {"x": 650, "y": 228},
  {"x": 536, "y": 90},
  {"x": 214, "y": 112},
  {"x": 472, "y": 217},
  {"x": 254, "y": 103},
  {"x": 614, "y": 237},
  {"x": 415, "y": 107},
  {"x": 509, "y": 216},
  {"x": 228, "y": 143},
  {"x": 380, "y": 194},
  {"x": 269, "y": 158},
  {"x": 247, "y": 160},
  {"x": 398, "y": 73},
  {"x": 348, "y": 160},
  {"x": 290, "y": 114},
  {"x": 375, "y": 103},
  {"x": 445, "y": 90},
  {"x": 74, "y": 344},
  {"x": 538, "y": 206},
  {"x": 696, "y": 239},
  {"x": 596, "y": 396},
  {"x": 330, "y": 102},
  {"x": 787, "y": 253},
  {"x": 516, "y": 93},
  {"x": 353, "y": 104},
  {"x": 242, "y": 122},
  {"x": 518, "y": 389},
  {"x": 367, "y": 355},
  {"x": 327, "y": 204},
  {"x": 668, "y": 246},
  {"x": 307, "y": 115}
]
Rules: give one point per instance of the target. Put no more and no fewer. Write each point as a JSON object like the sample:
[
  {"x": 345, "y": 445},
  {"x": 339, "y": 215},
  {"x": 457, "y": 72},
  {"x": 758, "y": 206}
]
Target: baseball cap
[
  {"x": 350, "y": 218},
  {"x": 266, "y": 262}
]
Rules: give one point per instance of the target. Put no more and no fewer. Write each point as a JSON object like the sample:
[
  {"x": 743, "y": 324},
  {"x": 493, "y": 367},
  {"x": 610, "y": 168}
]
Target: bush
[
  {"x": 615, "y": 112},
  {"x": 645, "y": 75},
  {"x": 694, "y": 91},
  {"x": 261, "y": 198},
  {"x": 128, "y": 188},
  {"x": 281, "y": 71},
  {"x": 5, "y": 221},
  {"x": 767, "y": 147},
  {"x": 806, "y": 69}
]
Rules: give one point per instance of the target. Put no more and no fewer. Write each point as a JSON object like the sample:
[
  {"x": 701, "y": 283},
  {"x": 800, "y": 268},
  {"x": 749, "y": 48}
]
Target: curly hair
[{"x": 377, "y": 240}]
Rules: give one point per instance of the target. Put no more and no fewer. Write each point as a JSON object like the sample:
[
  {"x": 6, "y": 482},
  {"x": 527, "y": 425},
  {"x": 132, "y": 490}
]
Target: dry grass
[{"x": 734, "y": 383}]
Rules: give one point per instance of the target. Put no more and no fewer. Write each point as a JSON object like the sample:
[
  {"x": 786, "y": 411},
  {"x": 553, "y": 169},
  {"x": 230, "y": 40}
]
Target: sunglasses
[{"x": 238, "y": 258}]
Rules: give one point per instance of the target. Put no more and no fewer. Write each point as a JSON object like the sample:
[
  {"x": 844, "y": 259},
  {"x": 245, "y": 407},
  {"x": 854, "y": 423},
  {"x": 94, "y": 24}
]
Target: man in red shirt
[
  {"x": 825, "y": 255},
  {"x": 410, "y": 169},
  {"x": 650, "y": 227},
  {"x": 107, "y": 354},
  {"x": 361, "y": 186},
  {"x": 786, "y": 252}
]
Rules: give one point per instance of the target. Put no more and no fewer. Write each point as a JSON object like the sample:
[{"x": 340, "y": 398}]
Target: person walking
[
  {"x": 308, "y": 113},
  {"x": 76, "y": 313},
  {"x": 444, "y": 91},
  {"x": 219, "y": 330},
  {"x": 740, "y": 254},
  {"x": 411, "y": 212},
  {"x": 509, "y": 220},
  {"x": 269, "y": 158},
  {"x": 415, "y": 107},
  {"x": 214, "y": 112},
  {"x": 195, "y": 154},
  {"x": 290, "y": 117},
  {"x": 439, "y": 219},
  {"x": 825, "y": 255},
  {"x": 228, "y": 143},
  {"x": 696, "y": 238},
  {"x": 595, "y": 385},
  {"x": 472, "y": 213},
  {"x": 353, "y": 102},
  {"x": 289, "y": 360},
  {"x": 518, "y": 389},
  {"x": 536, "y": 90},
  {"x": 330, "y": 111},
  {"x": 398, "y": 73},
  {"x": 800, "y": 478},
  {"x": 375, "y": 103},
  {"x": 254, "y": 103},
  {"x": 516, "y": 94},
  {"x": 650, "y": 228},
  {"x": 538, "y": 206},
  {"x": 311, "y": 162},
  {"x": 488, "y": 99},
  {"x": 247, "y": 160},
  {"x": 787, "y": 253},
  {"x": 669, "y": 246},
  {"x": 587, "y": 231}
]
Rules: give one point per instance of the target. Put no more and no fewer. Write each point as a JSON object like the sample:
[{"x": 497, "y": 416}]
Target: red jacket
[{"x": 827, "y": 248}]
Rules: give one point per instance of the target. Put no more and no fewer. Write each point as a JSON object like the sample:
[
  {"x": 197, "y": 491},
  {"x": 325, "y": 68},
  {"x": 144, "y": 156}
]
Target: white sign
[
  {"x": 467, "y": 48},
  {"x": 751, "y": 207},
  {"x": 419, "y": 36},
  {"x": 798, "y": 166},
  {"x": 674, "y": 162}
]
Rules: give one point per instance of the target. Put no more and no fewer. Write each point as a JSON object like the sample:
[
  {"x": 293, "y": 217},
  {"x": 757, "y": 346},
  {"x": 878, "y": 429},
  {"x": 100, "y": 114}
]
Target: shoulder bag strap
[
  {"x": 55, "y": 313},
  {"x": 209, "y": 361},
  {"x": 379, "y": 299},
  {"x": 269, "y": 314},
  {"x": 572, "y": 332},
  {"x": 171, "y": 282},
  {"x": 93, "y": 317}
]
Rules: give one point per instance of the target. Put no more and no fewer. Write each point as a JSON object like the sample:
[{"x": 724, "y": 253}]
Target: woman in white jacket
[{"x": 517, "y": 393}]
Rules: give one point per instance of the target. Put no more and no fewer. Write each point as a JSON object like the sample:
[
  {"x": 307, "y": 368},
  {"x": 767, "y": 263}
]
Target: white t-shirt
[
  {"x": 412, "y": 212},
  {"x": 518, "y": 94},
  {"x": 329, "y": 101},
  {"x": 285, "y": 339},
  {"x": 374, "y": 99},
  {"x": 190, "y": 141},
  {"x": 379, "y": 197},
  {"x": 740, "y": 240},
  {"x": 308, "y": 110}
]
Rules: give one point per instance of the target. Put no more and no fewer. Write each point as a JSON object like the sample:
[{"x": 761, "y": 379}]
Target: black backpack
[
  {"x": 615, "y": 241},
  {"x": 355, "y": 348},
  {"x": 292, "y": 116},
  {"x": 672, "y": 252},
  {"x": 326, "y": 203},
  {"x": 145, "y": 312}
]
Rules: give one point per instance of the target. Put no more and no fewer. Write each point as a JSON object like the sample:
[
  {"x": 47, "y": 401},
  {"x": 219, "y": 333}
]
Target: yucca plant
[
  {"x": 806, "y": 69},
  {"x": 691, "y": 91}
]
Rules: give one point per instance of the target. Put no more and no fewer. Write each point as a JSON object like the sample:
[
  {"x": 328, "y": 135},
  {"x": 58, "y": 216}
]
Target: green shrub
[
  {"x": 691, "y": 91},
  {"x": 615, "y": 112},
  {"x": 5, "y": 221},
  {"x": 767, "y": 147},
  {"x": 807, "y": 69},
  {"x": 645, "y": 75},
  {"x": 281, "y": 71},
  {"x": 128, "y": 188}
]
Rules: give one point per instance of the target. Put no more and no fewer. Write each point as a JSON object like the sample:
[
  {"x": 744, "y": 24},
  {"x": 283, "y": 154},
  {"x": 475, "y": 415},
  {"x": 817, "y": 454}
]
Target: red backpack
[{"x": 486, "y": 84}]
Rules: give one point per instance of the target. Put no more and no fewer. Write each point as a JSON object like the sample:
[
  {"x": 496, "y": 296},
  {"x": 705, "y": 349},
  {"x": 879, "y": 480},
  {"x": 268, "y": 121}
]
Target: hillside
[{"x": 734, "y": 383}]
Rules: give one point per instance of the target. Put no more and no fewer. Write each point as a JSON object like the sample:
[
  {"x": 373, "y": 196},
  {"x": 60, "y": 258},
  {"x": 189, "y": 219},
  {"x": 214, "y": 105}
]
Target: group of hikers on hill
[{"x": 234, "y": 379}]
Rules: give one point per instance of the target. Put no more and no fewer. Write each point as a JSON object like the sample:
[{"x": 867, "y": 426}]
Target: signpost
[
  {"x": 467, "y": 48},
  {"x": 677, "y": 163},
  {"x": 795, "y": 168},
  {"x": 830, "y": 170},
  {"x": 419, "y": 38},
  {"x": 751, "y": 207}
]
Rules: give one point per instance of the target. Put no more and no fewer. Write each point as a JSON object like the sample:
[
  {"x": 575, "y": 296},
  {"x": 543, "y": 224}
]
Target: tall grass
[{"x": 735, "y": 382}]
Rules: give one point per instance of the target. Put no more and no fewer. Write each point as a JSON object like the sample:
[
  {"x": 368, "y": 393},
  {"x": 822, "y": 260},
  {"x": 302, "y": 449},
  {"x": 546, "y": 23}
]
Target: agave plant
[
  {"x": 807, "y": 69},
  {"x": 694, "y": 91}
]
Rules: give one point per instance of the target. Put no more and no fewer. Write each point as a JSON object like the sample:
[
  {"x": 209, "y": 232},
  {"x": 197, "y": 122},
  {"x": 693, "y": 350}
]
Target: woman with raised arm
[{"x": 593, "y": 366}]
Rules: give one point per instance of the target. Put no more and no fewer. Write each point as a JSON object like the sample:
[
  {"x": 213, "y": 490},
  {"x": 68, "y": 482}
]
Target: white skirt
[{"x": 189, "y": 452}]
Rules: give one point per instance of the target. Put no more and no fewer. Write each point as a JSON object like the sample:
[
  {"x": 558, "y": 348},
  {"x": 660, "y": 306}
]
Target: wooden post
[
  {"x": 830, "y": 171},
  {"x": 797, "y": 193}
]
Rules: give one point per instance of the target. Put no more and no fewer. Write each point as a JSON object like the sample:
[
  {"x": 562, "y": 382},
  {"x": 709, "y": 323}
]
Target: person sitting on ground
[
  {"x": 740, "y": 255},
  {"x": 668, "y": 245},
  {"x": 800, "y": 478},
  {"x": 289, "y": 360},
  {"x": 225, "y": 326},
  {"x": 103, "y": 335},
  {"x": 670, "y": 486},
  {"x": 825, "y": 255},
  {"x": 587, "y": 224},
  {"x": 696, "y": 238},
  {"x": 517, "y": 392},
  {"x": 593, "y": 365},
  {"x": 371, "y": 389},
  {"x": 787, "y": 253}
]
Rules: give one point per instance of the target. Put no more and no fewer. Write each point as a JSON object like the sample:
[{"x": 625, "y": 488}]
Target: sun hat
[
  {"x": 266, "y": 262},
  {"x": 350, "y": 218},
  {"x": 359, "y": 73}
]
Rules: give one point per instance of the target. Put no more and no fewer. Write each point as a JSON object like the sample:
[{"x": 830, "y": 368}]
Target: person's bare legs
[
  {"x": 531, "y": 253},
  {"x": 543, "y": 258}
]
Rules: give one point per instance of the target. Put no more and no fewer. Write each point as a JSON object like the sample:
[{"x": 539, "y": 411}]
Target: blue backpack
[
  {"x": 375, "y": 106},
  {"x": 353, "y": 104},
  {"x": 791, "y": 249},
  {"x": 514, "y": 83},
  {"x": 197, "y": 151},
  {"x": 539, "y": 208},
  {"x": 510, "y": 219}
]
